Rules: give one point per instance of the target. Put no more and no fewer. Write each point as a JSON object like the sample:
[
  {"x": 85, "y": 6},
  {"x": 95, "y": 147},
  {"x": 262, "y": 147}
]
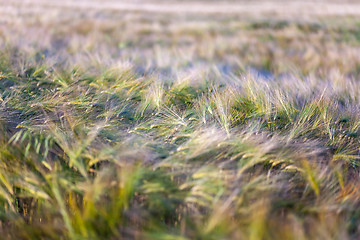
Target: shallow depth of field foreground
[{"x": 177, "y": 120}]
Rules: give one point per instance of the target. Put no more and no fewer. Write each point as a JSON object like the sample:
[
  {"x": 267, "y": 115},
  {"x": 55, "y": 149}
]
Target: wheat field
[{"x": 176, "y": 120}]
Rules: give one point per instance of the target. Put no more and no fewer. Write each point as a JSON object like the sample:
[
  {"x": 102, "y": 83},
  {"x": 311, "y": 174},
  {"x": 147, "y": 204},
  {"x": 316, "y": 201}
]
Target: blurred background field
[
  {"x": 276, "y": 37},
  {"x": 179, "y": 119}
]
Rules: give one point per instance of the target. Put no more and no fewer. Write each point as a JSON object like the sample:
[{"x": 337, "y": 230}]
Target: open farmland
[{"x": 175, "y": 120}]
